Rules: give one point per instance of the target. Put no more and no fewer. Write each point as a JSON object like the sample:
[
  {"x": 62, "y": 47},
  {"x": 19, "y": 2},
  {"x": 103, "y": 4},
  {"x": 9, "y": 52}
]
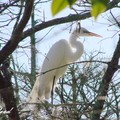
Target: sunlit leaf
[
  {"x": 71, "y": 2},
  {"x": 59, "y": 5},
  {"x": 98, "y": 7}
]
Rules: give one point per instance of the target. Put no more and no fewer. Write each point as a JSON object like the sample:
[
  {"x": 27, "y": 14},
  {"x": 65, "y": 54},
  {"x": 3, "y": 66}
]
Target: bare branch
[
  {"x": 17, "y": 33},
  {"x": 107, "y": 78},
  {"x": 74, "y": 63}
]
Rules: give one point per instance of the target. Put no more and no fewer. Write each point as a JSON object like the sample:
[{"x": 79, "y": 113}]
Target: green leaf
[
  {"x": 71, "y": 2},
  {"x": 98, "y": 7},
  {"x": 59, "y": 5}
]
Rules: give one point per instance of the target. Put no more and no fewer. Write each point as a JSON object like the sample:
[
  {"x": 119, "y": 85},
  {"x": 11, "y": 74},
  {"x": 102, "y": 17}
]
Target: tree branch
[
  {"x": 6, "y": 88},
  {"x": 7, "y": 91},
  {"x": 95, "y": 61},
  {"x": 4, "y": 6},
  {"x": 104, "y": 86},
  {"x": 17, "y": 33},
  {"x": 57, "y": 21}
]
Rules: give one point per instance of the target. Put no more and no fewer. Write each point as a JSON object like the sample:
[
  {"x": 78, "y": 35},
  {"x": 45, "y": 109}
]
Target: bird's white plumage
[
  {"x": 54, "y": 59},
  {"x": 61, "y": 53}
]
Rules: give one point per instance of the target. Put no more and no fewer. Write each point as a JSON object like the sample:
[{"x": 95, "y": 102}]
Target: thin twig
[{"x": 104, "y": 62}]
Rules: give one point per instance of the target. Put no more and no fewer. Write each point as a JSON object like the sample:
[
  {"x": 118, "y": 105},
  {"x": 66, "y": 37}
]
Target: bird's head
[{"x": 84, "y": 32}]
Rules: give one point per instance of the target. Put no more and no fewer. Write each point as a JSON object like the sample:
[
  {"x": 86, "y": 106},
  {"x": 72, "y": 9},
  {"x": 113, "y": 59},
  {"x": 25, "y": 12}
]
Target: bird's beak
[{"x": 94, "y": 34}]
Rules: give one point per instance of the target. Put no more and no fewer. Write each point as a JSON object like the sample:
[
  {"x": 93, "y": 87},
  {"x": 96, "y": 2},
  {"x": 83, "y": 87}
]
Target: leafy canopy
[
  {"x": 98, "y": 6},
  {"x": 59, "y": 5}
]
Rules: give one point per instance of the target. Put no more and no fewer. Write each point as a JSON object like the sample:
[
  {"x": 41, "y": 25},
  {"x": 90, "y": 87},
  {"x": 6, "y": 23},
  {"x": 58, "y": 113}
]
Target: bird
[{"x": 54, "y": 65}]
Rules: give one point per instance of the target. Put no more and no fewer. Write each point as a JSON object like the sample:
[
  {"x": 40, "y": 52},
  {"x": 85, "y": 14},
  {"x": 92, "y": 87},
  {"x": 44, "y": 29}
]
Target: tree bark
[
  {"x": 104, "y": 86},
  {"x": 17, "y": 33},
  {"x": 7, "y": 91}
]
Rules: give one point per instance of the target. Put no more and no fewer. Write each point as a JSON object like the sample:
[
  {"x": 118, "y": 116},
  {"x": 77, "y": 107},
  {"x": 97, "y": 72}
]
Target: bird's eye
[{"x": 85, "y": 31}]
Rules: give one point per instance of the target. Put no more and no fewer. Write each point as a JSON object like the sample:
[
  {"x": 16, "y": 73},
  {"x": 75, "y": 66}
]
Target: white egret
[{"x": 60, "y": 54}]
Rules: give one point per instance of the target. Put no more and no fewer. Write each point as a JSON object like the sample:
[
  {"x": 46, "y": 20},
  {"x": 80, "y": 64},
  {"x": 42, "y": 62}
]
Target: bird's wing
[{"x": 55, "y": 57}]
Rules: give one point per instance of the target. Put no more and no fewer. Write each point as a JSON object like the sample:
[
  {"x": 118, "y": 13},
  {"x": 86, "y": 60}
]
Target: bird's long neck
[{"x": 77, "y": 45}]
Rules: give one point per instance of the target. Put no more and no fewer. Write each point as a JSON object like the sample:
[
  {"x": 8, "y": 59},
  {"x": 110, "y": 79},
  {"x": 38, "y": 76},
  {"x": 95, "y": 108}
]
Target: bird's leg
[
  {"x": 52, "y": 91},
  {"x": 62, "y": 98}
]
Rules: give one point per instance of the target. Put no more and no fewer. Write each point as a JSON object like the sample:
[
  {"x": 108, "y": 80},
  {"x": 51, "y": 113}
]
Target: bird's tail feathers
[{"x": 32, "y": 100}]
